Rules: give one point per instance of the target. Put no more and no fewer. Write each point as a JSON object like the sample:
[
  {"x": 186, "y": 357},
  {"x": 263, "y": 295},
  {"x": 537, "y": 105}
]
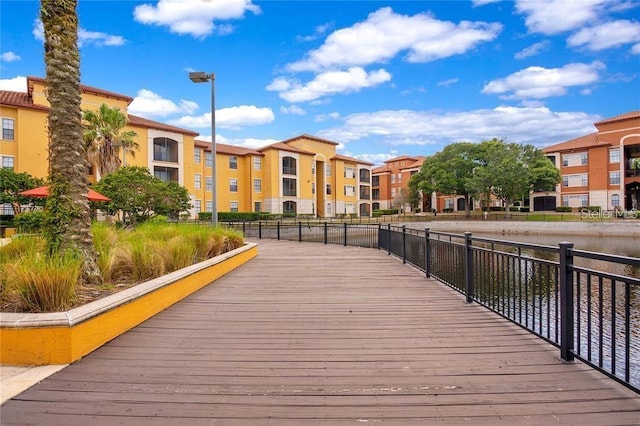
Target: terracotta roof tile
[
  {"x": 227, "y": 149},
  {"x": 84, "y": 88},
  {"x": 353, "y": 160},
  {"x": 622, "y": 117},
  {"x": 19, "y": 99},
  {"x": 314, "y": 138},
  {"x": 284, "y": 147},
  {"x": 582, "y": 142},
  {"x": 134, "y": 120}
]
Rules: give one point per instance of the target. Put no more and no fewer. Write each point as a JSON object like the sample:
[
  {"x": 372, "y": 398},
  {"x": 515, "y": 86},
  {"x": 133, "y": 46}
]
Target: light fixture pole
[{"x": 201, "y": 77}]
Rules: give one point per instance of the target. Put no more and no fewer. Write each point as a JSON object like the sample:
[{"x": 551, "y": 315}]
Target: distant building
[
  {"x": 391, "y": 180},
  {"x": 600, "y": 169}
]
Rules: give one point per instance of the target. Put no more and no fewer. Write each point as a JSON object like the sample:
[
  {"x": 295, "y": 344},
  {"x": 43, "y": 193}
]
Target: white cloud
[
  {"x": 85, "y": 37},
  {"x": 16, "y": 84},
  {"x": 328, "y": 83},
  {"x": 384, "y": 34},
  {"x": 317, "y": 32},
  {"x": 449, "y": 82},
  {"x": 250, "y": 143},
  {"x": 293, "y": 110},
  {"x": 194, "y": 17},
  {"x": 607, "y": 35},
  {"x": 532, "y": 50},
  {"x": 9, "y": 57},
  {"x": 636, "y": 49},
  {"x": 233, "y": 118},
  {"x": 539, "y": 82},
  {"x": 557, "y": 16},
  {"x": 535, "y": 125},
  {"x": 324, "y": 117},
  {"x": 483, "y": 2},
  {"x": 150, "y": 104}
]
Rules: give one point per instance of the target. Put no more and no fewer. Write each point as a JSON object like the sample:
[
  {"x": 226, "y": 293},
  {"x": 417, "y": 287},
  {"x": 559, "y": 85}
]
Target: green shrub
[
  {"x": 496, "y": 209},
  {"x": 205, "y": 216},
  {"x": 242, "y": 216},
  {"x": 29, "y": 222},
  {"x": 382, "y": 212},
  {"x": 447, "y": 210},
  {"x": 7, "y": 220},
  {"x": 564, "y": 209}
]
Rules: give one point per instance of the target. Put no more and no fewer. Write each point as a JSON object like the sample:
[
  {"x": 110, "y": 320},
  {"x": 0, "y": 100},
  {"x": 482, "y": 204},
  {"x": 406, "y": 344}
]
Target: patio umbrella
[{"x": 43, "y": 192}]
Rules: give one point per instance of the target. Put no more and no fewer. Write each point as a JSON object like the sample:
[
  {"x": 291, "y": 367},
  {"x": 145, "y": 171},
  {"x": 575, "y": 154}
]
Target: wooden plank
[{"x": 328, "y": 335}]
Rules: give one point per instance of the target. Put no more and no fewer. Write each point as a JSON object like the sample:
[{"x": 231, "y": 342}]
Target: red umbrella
[{"x": 43, "y": 192}]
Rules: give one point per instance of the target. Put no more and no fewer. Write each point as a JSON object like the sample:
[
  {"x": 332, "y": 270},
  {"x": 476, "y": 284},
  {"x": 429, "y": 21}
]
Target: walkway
[{"x": 314, "y": 334}]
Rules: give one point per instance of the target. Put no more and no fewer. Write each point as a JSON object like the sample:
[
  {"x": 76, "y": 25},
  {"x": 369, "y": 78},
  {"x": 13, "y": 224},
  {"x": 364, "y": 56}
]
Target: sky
[{"x": 381, "y": 78}]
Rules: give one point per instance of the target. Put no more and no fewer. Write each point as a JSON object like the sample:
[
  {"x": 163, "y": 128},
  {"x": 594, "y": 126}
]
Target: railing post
[
  {"x": 259, "y": 229},
  {"x": 379, "y": 235},
  {"x": 345, "y": 234},
  {"x": 566, "y": 301},
  {"x": 389, "y": 240},
  {"x": 427, "y": 253},
  {"x": 468, "y": 267},
  {"x": 244, "y": 227},
  {"x": 300, "y": 231},
  {"x": 325, "y": 233},
  {"x": 278, "y": 233},
  {"x": 404, "y": 243}
]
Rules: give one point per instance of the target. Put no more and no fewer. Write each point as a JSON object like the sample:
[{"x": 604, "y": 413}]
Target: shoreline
[{"x": 629, "y": 229}]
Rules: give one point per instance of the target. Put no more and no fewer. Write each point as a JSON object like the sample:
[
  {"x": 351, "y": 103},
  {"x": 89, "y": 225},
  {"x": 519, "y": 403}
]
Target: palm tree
[
  {"x": 68, "y": 217},
  {"x": 103, "y": 137}
]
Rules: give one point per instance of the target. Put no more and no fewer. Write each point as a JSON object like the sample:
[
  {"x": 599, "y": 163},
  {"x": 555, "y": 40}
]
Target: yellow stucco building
[{"x": 303, "y": 175}]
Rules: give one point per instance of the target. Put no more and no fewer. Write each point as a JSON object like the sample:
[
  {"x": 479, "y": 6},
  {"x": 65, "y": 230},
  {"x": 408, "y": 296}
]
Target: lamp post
[{"x": 201, "y": 77}]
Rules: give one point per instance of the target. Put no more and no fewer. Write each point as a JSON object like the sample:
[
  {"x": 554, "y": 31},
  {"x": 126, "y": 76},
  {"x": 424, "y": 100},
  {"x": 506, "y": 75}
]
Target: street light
[{"x": 201, "y": 77}]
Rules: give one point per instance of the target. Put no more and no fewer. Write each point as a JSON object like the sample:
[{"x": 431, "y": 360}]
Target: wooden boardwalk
[{"x": 314, "y": 334}]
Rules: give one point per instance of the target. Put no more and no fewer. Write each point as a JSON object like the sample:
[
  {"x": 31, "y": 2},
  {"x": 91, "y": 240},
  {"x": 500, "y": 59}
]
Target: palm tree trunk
[{"x": 68, "y": 213}]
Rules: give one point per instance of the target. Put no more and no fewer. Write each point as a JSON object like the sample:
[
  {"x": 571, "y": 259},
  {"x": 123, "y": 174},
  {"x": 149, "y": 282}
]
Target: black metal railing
[{"x": 585, "y": 303}]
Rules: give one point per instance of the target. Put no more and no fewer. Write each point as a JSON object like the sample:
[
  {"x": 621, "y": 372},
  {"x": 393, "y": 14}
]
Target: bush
[
  {"x": 382, "y": 212},
  {"x": 242, "y": 216},
  {"x": 205, "y": 216},
  {"x": 448, "y": 210},
  {"x": 525, "y": 209},
  {"x": 564, "y": 209},
  {"x": 7, "y": 220},
  {"x": 29, "y": 222},
  {"x": 497, "y": 209}
]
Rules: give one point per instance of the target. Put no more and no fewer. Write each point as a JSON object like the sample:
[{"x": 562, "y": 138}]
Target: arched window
[
  {"x": 289, "y": 207},
  {"x": 288, "y": 166},
  {"x": 165, "y": 149},
  {"x": 615, "y": 200}
]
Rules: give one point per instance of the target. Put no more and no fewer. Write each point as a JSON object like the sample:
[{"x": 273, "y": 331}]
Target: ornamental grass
[{"x": 30, "y": 281}]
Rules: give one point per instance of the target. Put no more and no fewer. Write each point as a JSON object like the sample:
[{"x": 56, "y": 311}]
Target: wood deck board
[{"x": 327, "y": 335}]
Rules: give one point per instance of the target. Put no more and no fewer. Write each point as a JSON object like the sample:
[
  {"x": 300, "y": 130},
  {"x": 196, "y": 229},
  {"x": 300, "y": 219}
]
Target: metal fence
[{"x": 585, "y": 303}]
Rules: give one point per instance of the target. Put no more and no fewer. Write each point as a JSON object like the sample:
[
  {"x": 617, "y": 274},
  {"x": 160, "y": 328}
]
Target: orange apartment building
[
  {"x": 600, "y": 169},
  {"x": 391, "y": 179}
]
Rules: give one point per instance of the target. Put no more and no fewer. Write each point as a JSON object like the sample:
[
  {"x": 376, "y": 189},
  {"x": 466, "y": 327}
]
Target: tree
[
  {"x": 103, "y": 136},
  {"x": 68, "y": 220},
  {"x": 12, "y": 183},
  {"x": 139, "y": 195},
  {"x": 449, "y": 172}
]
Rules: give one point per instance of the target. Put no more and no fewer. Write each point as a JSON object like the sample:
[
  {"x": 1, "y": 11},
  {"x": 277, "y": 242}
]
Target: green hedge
[
  {"x": 29, "y": 222},
  {"x": 7, "y": 220},
  {"x": 236, "y": 216},
  {"x": 564, "y": 209},
  {"x": 382, "y": 212}
]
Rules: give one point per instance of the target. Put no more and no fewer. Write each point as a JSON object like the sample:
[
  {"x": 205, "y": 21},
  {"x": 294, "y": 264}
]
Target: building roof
[
  {"x": 227, "y": 149},
  {"x": 282, "y": 146},
  {"x": 401, "y": 158},
  {"x": 380, "y": 170},
  {"x": 84, "y": 88},
  {"x": 314, "y": 138},
  {"x": 19, "y": 100},
  {"x": 352, "y": 160},
  {"x": 583, "y": 142},
  {"x": 622, "y": 117}
]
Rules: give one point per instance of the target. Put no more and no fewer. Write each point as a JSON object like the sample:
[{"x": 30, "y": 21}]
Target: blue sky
[{"x": 382, "y": 78}]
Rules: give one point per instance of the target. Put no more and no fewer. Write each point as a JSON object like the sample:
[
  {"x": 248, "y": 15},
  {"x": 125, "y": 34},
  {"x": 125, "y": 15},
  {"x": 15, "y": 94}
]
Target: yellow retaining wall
[{"x": 64, "y": 337}]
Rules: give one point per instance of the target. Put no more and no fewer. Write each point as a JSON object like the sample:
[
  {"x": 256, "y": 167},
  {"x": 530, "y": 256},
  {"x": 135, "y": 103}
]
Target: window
[
  {"x": 584, "y": 180},
  {"x": 197, "y": 205},
  {"x": 584, "y": 158},
  {"x": 257, "y": 185},
  {"x": 614, "y": 155},
  {"x": 7, "y": 129},
  {"x": 233, "y": 207},
  {"x": 209, "y": 206},
  {"x": 349, "y": 190},
  {"x": 393, "y": 178},
  {"x": 575, "y": 180},
  {"x": 393, "y": 192},
  {"x": 196, "y": 155},
  {"x": 399, "y": 177},
  {"x": 375, "y": 181},
  {"x": 288, "y": 166},
  {"x": 365, "y": 193},
  {"x": 257, "y": 206},
  {"x": 565, "y": 180},
  {"x": 313, "y": 168},
  {"x": 584, "y": 200},
  {"x": 289, "y": 187},
  {"x": 289, "y": 207},
  {"x": 327, "y": 170},
  {"x": 365, "y": 176},
  {"x": 208, "y": 183},
  {"x": 257, "y": 163},
  {"x": 167, "y": 174},
  {"x": 233, "y": 185},
  {"x": 581, "y": 200},
  {"x": 233, "y": 162},
  {"x": 165, "y": 149},
  {"x": 8, "y": 162},
  {"x": 328, "y": 208},
  {"x": 614, "y": 178},
  {"x": 375, "y": 194},
  {"x": 313, "y": 187},
  {"x": 208, "y": 159},
  {"x": 615, "y": 200},
  {"x": 349, "y": 173},
  {"x": 328, "y": 189},
  {"x": 448, "y": 203},
  {"x": 197, "y": 181},
  {"x": 577, "y": 159}
]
